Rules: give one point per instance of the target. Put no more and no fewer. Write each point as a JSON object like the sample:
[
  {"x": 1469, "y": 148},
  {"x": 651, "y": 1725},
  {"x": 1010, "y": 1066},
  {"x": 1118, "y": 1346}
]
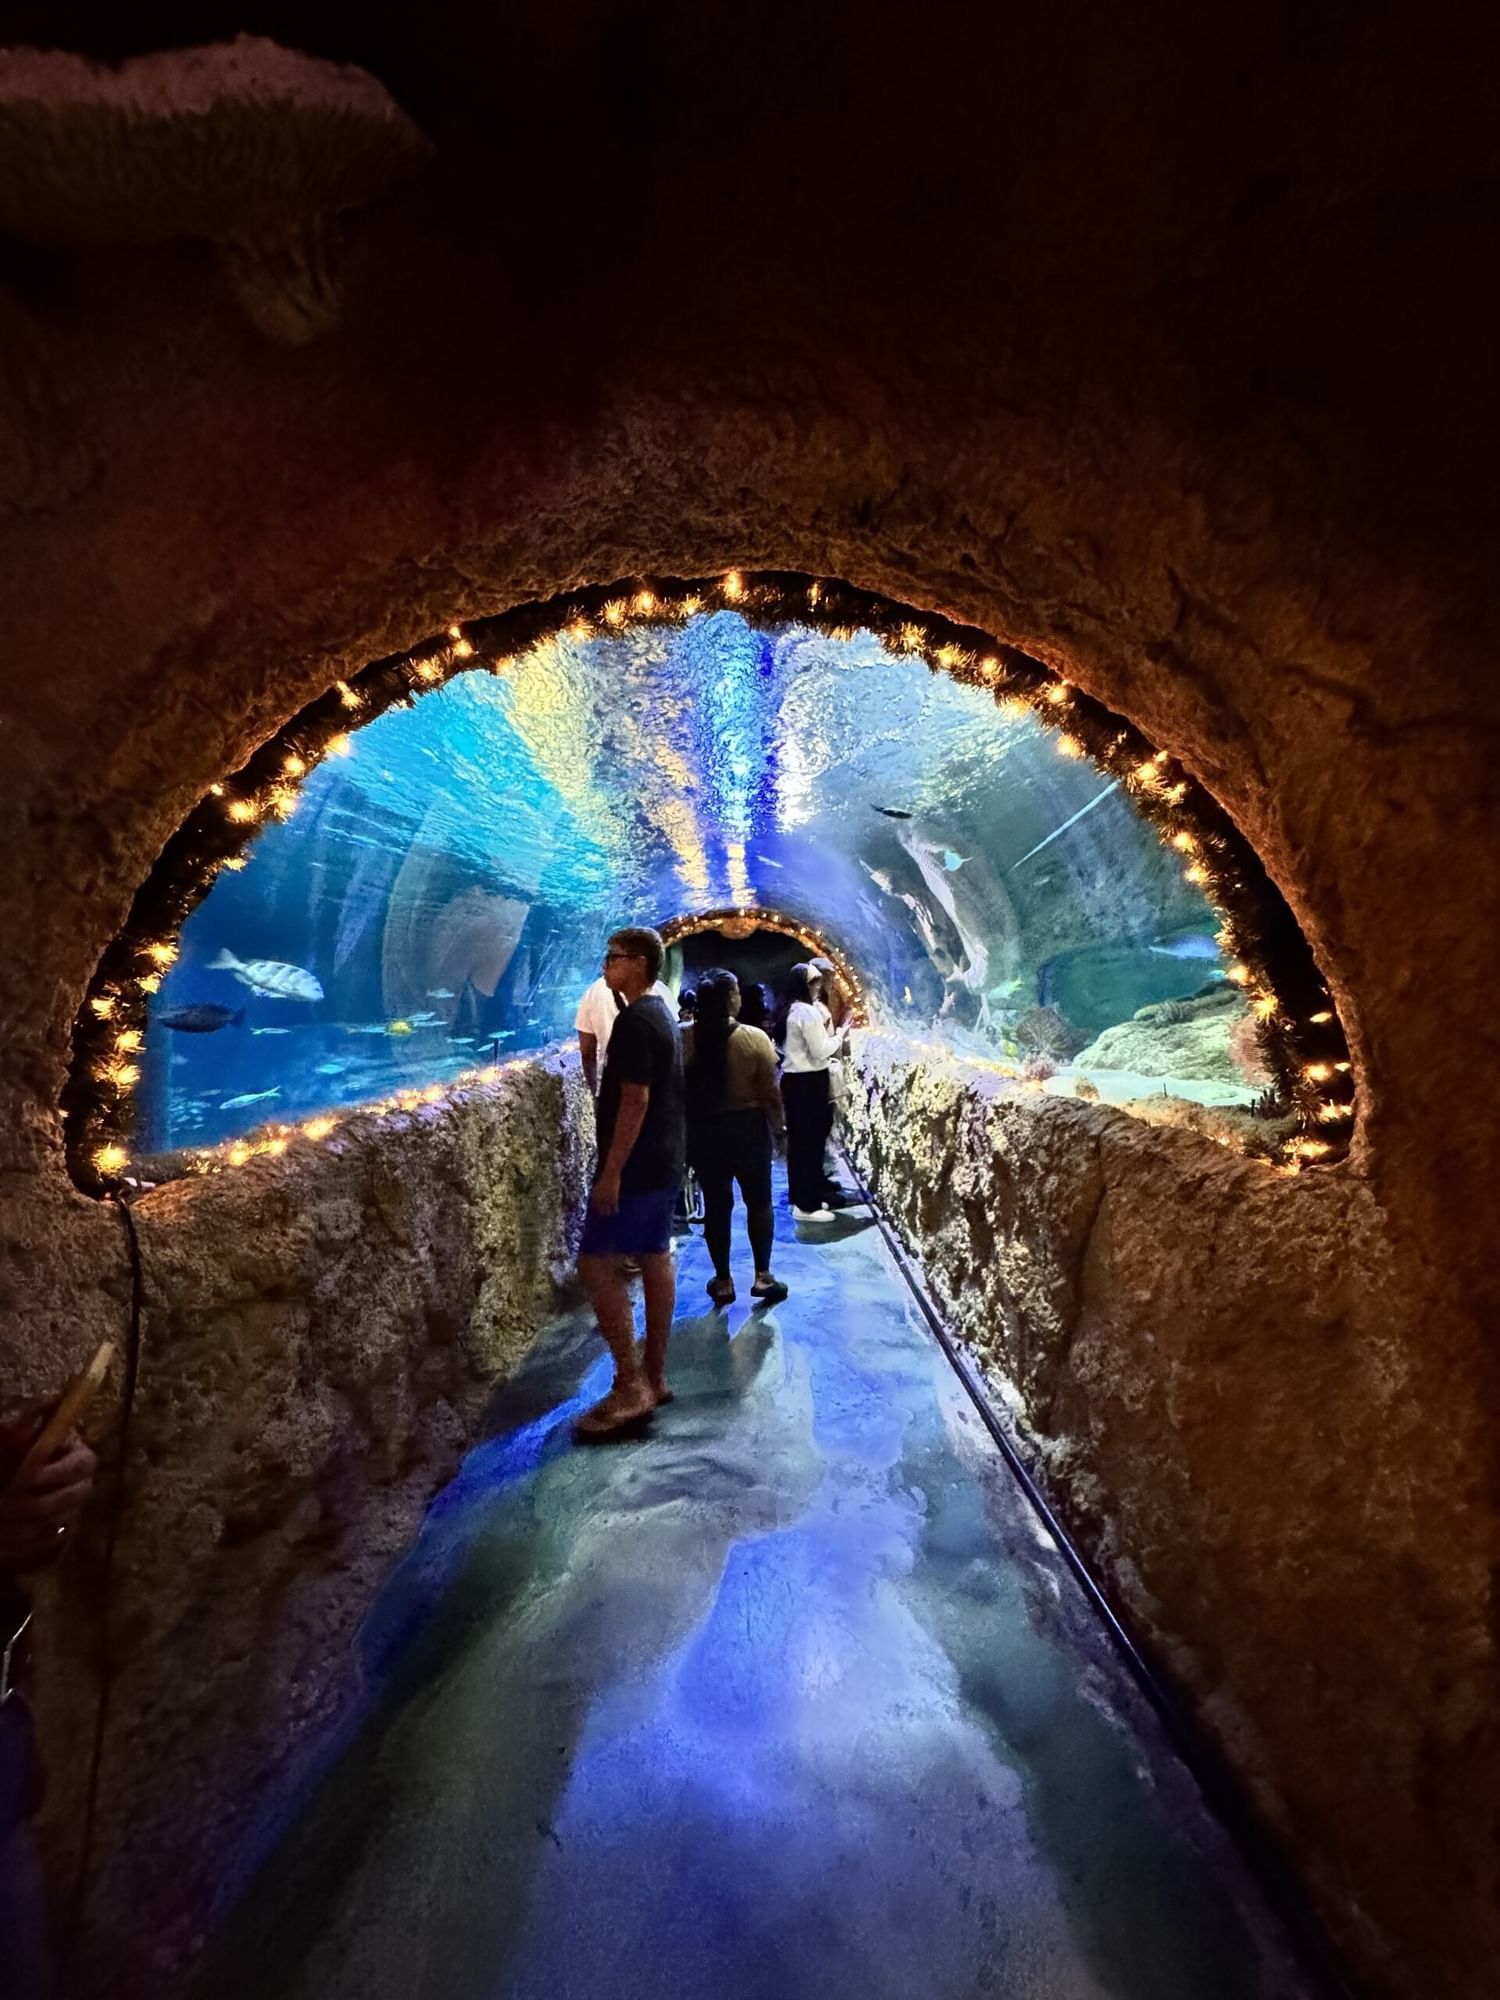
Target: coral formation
[
  {"x": 1047, "y": 1031},
  {"x": 250, "y": 145},
  {"x": 1038, "y": 1068}
]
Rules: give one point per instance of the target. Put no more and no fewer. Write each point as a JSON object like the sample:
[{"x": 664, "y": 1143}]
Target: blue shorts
[{"x": 640, "y": 1227}]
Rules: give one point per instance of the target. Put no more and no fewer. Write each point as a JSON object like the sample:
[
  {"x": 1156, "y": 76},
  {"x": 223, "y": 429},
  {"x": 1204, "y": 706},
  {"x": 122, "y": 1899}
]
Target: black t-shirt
[{"x": 643, "y": 1048}]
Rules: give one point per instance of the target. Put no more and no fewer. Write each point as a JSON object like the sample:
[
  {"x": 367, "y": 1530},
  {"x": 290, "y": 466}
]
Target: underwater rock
[
  {"x": 1245, "y": 1051},
  {"x": 1194, "y": 1048},
  {"x": 1038, "y": 1068},
  {"x": 1047, "y": 1031},
  {"x": 1086, "y": 1091}
]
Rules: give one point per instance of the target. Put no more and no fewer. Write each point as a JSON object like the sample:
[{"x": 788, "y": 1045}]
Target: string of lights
[
  {"x": 740, "y": 919},
  {"x": 1269, "y": 957}
]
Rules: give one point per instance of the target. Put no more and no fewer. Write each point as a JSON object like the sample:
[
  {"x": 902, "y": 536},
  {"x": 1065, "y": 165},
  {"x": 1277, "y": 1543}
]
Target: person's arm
[
  {"x": 634, "y": 1097},
  {"x": 588, "y": 1048},
  {"x": 821, "y": 1042},
  {"x": 768, "y": 1093}
]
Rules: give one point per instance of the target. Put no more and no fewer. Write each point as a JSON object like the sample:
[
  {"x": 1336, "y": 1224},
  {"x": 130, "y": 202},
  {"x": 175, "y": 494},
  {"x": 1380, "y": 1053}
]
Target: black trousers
[
  {"x": 809, "y": 1120},
  {"x": 734, "y": 1146}
]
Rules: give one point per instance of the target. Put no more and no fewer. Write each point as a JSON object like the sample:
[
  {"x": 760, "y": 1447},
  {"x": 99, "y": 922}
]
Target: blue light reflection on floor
[{"x": 790, "y": 1700}]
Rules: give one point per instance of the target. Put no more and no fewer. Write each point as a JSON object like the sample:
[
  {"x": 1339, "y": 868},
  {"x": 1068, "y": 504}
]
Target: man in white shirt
[{"x": 596, "y": 1019}]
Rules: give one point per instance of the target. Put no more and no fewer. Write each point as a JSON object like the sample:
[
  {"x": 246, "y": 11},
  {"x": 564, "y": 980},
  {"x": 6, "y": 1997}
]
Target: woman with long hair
[
  {"x": 810, "y": 1045},
  {"x": 755, "y": 1007},
  {"x": 733, "y": 1113}
]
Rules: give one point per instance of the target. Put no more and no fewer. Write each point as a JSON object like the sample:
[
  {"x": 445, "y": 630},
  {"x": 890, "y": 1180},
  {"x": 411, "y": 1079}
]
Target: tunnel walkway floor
[{"x": 793, "y": 1699}]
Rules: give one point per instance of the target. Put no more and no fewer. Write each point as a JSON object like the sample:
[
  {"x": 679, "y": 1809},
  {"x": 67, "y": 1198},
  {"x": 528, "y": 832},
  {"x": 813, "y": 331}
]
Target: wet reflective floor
[{"x": 791, "y": 1700}]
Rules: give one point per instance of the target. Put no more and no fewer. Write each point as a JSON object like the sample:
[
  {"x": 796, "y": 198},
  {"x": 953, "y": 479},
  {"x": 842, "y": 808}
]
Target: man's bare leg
[
  {"x": 659, "y": 1283},
  {"x": 632, "y": 1397}
]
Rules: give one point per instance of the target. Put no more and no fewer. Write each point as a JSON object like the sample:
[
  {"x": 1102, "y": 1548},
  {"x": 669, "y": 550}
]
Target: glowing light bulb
[
  {"x": 1184, "y": 843},
  {"x": 127, "y": 1041},
  {"x": 1318, "y": 1072},
  {"x": 463, "y": 649},
  {"x": 162, "y": 953},
  {"x": 1197, "y": 873},
  {"x": 814, "y": 592},
  {"x": 348, "y": 695},
  {"x": 216, "y": 791},
  {"x": 1265, "y": 1005},
  {"x": 579, "y": 630},
  {"x": 1069, "y": 746},
  {"x": 643, "y": 603},
  {"x": 427, "y": 670},
  {"x": 234, "y": 863},
  {"x": 238, "y": 1154},
  {"x": 692, "y": 606},
  {"x": 294, "y": 766},
  {"x": 989, "y": 672},
  {"x": 1058, "y": 693},
  {"x": 948, "y": 656},
  {"x": 455, "y": 632},
  {"x": 111, "y": 1159},
  {"x": 151, "y": 983},
  {"x": 274, "y": 1147},
  {"x": 283, "y": 801},
  {"x": 318, "y": 1128},
  {"x": 340, "y": 745},
  {"x": 1319, "y": 1020},
  {"x": 614, "y": 613},
  {"x": 1175, "y": 794},
  {"x": 734, "y": 586},
  {"x": 243, "y": 811},
  {"x": 1146, "y": 774},
  {"x": 1240, "y": 974},
  {"x": 103, "y": 1005}
]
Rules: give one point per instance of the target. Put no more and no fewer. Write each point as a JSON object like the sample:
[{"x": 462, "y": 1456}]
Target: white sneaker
[{"x": 812, "y": 1214}]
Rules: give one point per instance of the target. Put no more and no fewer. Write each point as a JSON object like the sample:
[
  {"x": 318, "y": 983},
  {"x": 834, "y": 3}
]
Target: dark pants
[
  {"x": 25, "y": 1969},
  {"x": 734, "y": 1146},
  {"x": 809, "y": 1120}
]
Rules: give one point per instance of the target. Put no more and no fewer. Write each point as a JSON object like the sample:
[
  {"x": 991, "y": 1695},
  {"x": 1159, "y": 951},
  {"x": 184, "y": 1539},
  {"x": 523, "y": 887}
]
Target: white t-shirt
[
  {"x": 597, "y": 1010},
  {"x": 810, "y": 1042}
]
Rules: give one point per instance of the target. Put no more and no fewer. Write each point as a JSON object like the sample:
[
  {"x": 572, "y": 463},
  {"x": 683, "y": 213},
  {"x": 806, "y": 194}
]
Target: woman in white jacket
[{"x": 805, "y": 1091}]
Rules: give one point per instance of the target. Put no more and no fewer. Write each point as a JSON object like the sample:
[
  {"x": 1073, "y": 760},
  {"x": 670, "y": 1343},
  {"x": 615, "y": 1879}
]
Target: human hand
[
  {"x": 605, "y": 1199},
  {"x": 40, "y": 1506}
]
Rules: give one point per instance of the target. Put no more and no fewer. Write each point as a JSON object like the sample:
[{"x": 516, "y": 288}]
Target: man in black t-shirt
[{"x": 642, "y": 1143}]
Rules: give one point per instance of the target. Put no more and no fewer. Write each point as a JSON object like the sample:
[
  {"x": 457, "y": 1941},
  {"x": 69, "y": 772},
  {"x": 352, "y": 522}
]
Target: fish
[
  {"x": 880, "y": 878},
  {"x": 1196, "y": 945},
  {"x": 204, "y": 1019},
  {"x": 894, "y": 812},
  {"x": 767, "y": 862},
  {"x": 440, "y": 993},
  {"x": 249, "y": 1097},
  {"x": 333, "y": 1068},
  {"x": 270, "y": 1031},
  {"x": 269, "y": 976}
]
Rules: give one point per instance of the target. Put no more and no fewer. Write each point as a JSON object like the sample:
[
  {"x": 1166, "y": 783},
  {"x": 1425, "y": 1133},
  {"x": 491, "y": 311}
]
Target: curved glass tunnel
[{"x": 439, "y": 896}]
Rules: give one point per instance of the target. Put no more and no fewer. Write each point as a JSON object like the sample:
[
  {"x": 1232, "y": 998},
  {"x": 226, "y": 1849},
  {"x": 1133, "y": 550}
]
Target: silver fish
[
  {"x": 1194, "y": 946},
  {"x": 332, "y": 1068},
  {"x": 440, "y": 993},
  {"x": 269, "y": 976},
  {"x": 270, "y": 1031},
  {"x": 250, "y": 1097}
]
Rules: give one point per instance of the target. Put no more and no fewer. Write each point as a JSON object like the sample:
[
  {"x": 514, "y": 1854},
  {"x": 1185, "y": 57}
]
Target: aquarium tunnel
[{"x": 436, "y": 896}]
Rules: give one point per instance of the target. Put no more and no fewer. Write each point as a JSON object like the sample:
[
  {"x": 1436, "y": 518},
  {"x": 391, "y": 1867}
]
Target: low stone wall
[
  {"x": 1239, "y": 1411},
  {"x": 323, "y": 1332}
]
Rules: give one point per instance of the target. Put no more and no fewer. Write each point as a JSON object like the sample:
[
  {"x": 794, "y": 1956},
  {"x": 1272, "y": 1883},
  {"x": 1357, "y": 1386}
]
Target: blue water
[{"x": 449, "y": 884}]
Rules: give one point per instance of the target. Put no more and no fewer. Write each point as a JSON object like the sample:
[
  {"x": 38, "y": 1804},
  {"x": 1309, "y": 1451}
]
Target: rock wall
[
  {"x": 1219, "y": 1373},
  {"x": 321, "y": 1336}
]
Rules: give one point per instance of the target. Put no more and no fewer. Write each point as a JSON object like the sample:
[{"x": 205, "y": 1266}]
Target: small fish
[
  {"x": 366, "y": 1028},
  {"x": 249, "y": 1097},
  {"x": 270, "y": 1031},
  {"x": 440, "y": 993},
  {"x": 398, "y": 1027},
  {"x": 894, "y": 812},
  {"x": 767, "y": 862},
  {"x": 269, "y": 976},
  {"x": 332, "y": 1068},
  {"x": 201, "y": 1020},
  {"x": 425, "y": 1019},
  {"x": 880, "y": 878},
  {"x": 1194, "y": 946}
]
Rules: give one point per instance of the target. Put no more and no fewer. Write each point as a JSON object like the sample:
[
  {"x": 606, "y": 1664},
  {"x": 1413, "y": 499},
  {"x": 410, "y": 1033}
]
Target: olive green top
[{"x": 749, "y": 1074}]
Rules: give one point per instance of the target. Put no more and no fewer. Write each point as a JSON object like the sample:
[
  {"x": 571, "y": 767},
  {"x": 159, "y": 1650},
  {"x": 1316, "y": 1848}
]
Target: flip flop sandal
[
  {"x": 769, "y": 1295},
  {"x": 721, "y": 1291}
]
